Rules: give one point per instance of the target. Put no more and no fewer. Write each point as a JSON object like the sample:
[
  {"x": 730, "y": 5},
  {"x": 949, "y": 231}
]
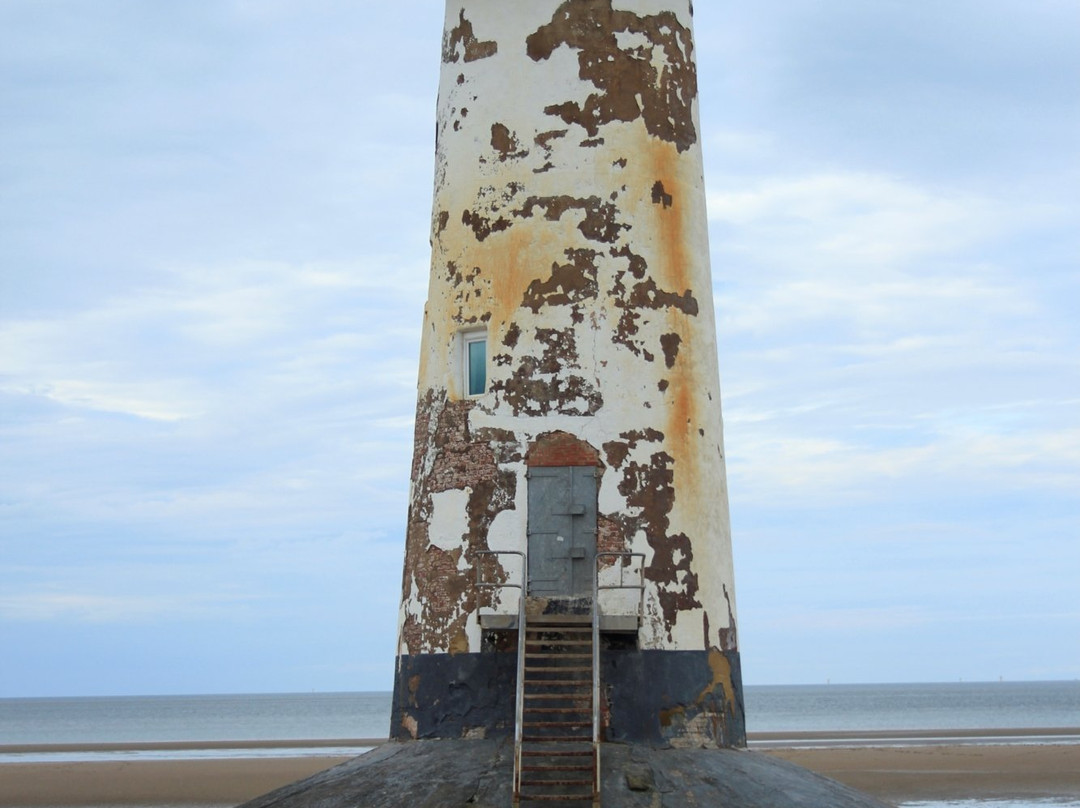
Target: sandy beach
[
  {"x": 894, "y": 773},
  {"x": 226, "y": 781},
  {"x": 939, "y": 772}
]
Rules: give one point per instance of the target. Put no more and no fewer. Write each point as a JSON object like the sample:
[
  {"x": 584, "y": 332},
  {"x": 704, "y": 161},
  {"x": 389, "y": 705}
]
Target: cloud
[
  {"x": 177, "y": 350},
  {"x": 877, "y": 338},
  {"x": 853, "y": 218},
  {"x": 771, "y": 464},
  {"x": 92, "y": 608},
  {"x": 850, "y": 619}
]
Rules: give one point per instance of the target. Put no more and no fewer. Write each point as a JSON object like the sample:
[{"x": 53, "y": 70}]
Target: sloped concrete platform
[{"x": 478, "y": 774}]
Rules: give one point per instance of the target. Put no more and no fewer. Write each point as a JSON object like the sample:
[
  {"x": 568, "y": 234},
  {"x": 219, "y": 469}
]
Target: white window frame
[{"x": 469, "y": 338}]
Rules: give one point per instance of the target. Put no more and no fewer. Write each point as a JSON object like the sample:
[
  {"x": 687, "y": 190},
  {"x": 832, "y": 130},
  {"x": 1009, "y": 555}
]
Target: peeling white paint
[
  {"x": 449, "y": 518},
  {"x": 518, "y": 190}
]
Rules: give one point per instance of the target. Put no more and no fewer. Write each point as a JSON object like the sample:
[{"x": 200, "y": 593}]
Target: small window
[{"x": 475, "y": 363}]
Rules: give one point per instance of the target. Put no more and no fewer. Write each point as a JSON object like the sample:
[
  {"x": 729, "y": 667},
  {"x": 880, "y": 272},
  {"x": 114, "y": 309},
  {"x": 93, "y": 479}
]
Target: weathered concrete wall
[{"x": 569, "y": 225}]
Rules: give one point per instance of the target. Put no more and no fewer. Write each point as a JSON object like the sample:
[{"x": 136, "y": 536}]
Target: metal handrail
[
  {"x": 482, "y": 584},
  {"x": 596, "y": 685},
  {"x": 519, "y": 692},
  {"x": 596, "y": 645}
]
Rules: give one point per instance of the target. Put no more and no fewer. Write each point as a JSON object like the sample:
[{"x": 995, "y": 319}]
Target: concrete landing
[{"x": 477, "y": 774}]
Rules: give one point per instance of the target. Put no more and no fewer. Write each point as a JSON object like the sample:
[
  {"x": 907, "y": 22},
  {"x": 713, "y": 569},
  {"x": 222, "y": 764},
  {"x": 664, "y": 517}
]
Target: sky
[{"x": 213, "y": 262}]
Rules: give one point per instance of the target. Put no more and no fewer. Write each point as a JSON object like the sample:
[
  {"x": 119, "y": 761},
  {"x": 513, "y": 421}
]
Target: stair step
[
  {"x": 557, "y": 655},
  {"x": 576, "y": 782},
  {"x": 558, "y": 642},
  {"x": 557, "y": 680},
  {"x": 547, "y": 682},
  {"x": 557, "y": 723},
  {"x": 554, "y": 798},
  {"x": 566, "y": 669},
  {"x": 557, "y": 738},
  {"x": 554, "y": 753},
  {"x": 540, "y": 797}
]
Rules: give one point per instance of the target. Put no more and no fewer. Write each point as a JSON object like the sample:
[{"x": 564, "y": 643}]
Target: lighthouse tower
[{"x": 568, "y": 475}]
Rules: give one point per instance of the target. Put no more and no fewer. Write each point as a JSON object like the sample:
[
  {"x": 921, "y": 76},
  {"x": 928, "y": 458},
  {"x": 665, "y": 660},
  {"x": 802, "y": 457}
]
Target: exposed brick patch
[
  {"x": 460, "y": 42},
  {"x": 448, "y": 457},
  {"x": 545, "y": 384},
  {"x": 568, "y": 283},
  {"x": 561, "y": 449},
  {"x": 611, "y": 538},
  {"x": 513, "y": 334},
  {"x": 506, "y": 143},
  {"x": 482, "y": 226},
  {"x": 597, "y": 224},
  {"x": 634, "y": 292},
  {"x": 650, "y": 496},
  {"x": 653, "y": 79}
]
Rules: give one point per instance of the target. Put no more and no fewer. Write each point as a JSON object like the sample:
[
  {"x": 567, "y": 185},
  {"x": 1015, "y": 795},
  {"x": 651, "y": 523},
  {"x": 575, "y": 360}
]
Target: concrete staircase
[{"x": 557, "y": 756}]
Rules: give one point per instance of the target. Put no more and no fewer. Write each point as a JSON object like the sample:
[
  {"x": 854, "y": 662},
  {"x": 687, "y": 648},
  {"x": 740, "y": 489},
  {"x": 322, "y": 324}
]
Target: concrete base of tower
[
  {"x": 663, "y": 698},
  {"x": 479, "y": 774}
]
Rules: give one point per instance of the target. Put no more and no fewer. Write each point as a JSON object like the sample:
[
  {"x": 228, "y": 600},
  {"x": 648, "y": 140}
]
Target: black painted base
[{"x": 677, "y": 698}]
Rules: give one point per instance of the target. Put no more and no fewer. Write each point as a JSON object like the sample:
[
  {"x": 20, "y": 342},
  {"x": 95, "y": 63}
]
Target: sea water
[
  {"x": 332, "y": 716},
  {"x": 946, "y": 706},
  {"x": 238, "y": 717},
  {"x": 339, "y": 716}
]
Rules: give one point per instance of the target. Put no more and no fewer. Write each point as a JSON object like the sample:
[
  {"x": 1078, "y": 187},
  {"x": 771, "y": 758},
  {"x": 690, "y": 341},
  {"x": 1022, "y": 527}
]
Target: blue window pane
[{"x": 477, "y": 367}]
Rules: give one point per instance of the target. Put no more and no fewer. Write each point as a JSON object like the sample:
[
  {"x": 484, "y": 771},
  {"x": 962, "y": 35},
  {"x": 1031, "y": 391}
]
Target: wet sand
[
  {"x": 895, "y": 773},
  {"x": 939, "y": 772},
  {"x": 227, "y": 781}
]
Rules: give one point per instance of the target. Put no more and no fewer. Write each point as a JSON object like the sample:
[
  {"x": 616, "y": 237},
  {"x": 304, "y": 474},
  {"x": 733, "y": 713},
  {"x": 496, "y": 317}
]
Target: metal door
[{"x": 562, "y": 530}]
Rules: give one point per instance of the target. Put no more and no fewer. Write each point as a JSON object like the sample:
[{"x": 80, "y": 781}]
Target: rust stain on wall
[
  {"x": 720, "y": 666},
  {"x": 664, "y": 164}
]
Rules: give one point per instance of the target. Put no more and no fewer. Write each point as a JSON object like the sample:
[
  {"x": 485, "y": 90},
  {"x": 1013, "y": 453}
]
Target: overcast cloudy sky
[{"x": 213, "y": 260}]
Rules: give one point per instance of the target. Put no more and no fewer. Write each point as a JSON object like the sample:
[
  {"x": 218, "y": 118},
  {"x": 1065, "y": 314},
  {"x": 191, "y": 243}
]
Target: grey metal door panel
[
  {"x": 583, "y": 508},
  {"x": 562, "y": 530}
]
